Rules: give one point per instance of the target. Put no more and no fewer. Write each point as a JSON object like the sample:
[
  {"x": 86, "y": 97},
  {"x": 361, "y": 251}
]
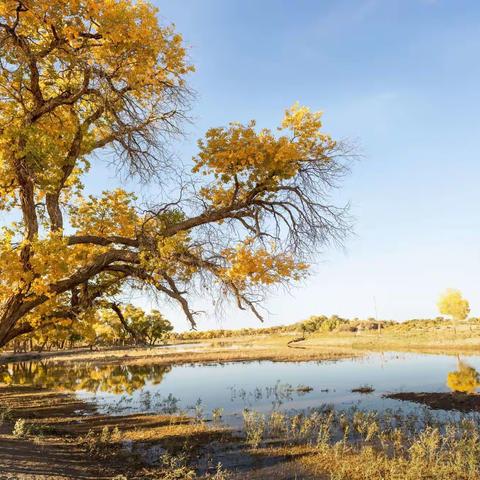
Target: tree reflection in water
[
  {"x": 465, "y": 379},
  {"x": 116, "y": 379}
]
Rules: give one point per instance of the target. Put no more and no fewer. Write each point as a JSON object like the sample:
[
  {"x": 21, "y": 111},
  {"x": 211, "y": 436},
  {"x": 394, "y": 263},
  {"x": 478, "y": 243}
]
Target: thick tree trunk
[
  {"x": 27, "y": 198},
  {"x": 17, "y": 306},
  {"x": 9, "y": 316}
]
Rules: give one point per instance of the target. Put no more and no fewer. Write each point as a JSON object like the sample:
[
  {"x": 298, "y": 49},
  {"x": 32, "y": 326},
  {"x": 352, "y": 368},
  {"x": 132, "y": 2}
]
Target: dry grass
[
  {"x": 355, "y": 445},
  {"x": 238, "y": 349}
]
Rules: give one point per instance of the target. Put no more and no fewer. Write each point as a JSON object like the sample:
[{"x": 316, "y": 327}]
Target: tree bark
[{"x": 131, "y": 331}]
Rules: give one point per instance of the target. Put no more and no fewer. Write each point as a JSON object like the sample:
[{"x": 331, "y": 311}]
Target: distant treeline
[
  {"x": 322, "y": 323},
  {"x": 314, "y": 324},
  {"x": 134, "y": 327}
]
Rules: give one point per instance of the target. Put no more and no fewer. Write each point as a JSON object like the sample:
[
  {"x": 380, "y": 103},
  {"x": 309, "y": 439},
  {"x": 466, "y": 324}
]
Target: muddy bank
[
  {"x": 461, "y": 402},
  {"x": 191, "y": 353},
  {"x": 64, "y": 440}
]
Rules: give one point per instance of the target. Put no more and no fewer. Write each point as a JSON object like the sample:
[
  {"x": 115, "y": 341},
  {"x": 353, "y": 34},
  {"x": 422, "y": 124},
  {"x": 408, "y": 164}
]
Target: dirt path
[
  {"x": 62, "y": 438},
  {"x": 32, "y": 459},
  {"x": 43, "y": 456}
]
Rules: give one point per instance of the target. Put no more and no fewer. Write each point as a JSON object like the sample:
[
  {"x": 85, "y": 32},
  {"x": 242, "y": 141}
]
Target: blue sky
[{"x": 399, "y": 78}]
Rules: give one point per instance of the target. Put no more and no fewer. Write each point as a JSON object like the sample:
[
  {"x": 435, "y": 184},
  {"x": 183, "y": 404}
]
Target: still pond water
[{"x": 260, "y": 386}]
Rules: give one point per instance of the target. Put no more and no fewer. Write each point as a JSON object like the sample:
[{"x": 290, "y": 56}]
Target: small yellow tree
[{"x": 453, "y": 304}]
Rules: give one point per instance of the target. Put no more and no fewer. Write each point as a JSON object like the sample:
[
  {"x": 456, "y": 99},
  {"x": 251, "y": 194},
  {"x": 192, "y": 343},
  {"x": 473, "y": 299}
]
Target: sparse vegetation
[
  {"x": 20, "y": 428},
  {"x": 363, "y": 389},
  {"x": 303, "y": 388},
  {"x": 254, "y": 427},
  {"x": 6, "y": 415},
  {"x": 217, "y": 414},
  {"x": 100, "y": 443},
  {"x": 24, "y": 428},
  {"x": 357, "y": 445}
]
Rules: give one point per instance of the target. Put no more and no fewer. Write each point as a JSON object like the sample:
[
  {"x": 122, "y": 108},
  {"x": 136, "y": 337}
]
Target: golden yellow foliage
[
  {"x": 241, "y": 158},
  {"x": 466, "y": 379},
  {"x": 247, "y": 265},
  {"x": 452, "y": 303},
  {"x": 79, "y": 76}
]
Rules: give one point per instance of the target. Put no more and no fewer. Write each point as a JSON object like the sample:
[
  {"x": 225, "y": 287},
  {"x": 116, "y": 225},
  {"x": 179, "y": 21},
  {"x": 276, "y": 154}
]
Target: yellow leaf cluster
[
  {"x": 259, "y": 266},
  {"x": 118, "y": 44},
  {"x": 50, "y": 263},
  {"x": 111, "y": 214},
  {"x": 12, "y": 276},
  {"x": 240, "y": 158}
]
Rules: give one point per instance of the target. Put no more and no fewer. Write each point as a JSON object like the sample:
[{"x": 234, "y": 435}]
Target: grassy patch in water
[
  {"x": 358, "y": 445},
  {"x": 363, "y": 389}
]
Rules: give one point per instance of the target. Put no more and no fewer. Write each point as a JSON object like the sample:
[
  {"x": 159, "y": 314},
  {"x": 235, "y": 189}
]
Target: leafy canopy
[
  {"x": 79, "y": 77},
  {"x": 452, "y": 303}
]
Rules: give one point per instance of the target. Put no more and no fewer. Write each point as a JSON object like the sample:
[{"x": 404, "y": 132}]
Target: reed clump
[{"x": 361, "y": 445}]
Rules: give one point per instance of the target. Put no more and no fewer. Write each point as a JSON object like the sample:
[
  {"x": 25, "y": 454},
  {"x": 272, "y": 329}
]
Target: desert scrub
[
  {"x": 21, "y": 428},
  {"x": 199, "y": 416},
  {"x": 429, "y": 455},
  {"x": 177, "y": 467},
  {"x": 219, "y": 474},
  {"x": 363, "y": 389},
  {"x": 276, "y": 424},
  {"x": 100, "y": 443},
  {"x": 364, "y": 445},
  {"x": 6, "y": 415},
  {"x": 217, "y": 414},
  {"x": 254, "y": 427}
]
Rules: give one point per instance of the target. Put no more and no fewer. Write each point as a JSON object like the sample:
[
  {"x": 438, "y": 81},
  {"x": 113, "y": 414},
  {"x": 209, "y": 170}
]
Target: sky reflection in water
[{"x": 260, "y": 386}]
